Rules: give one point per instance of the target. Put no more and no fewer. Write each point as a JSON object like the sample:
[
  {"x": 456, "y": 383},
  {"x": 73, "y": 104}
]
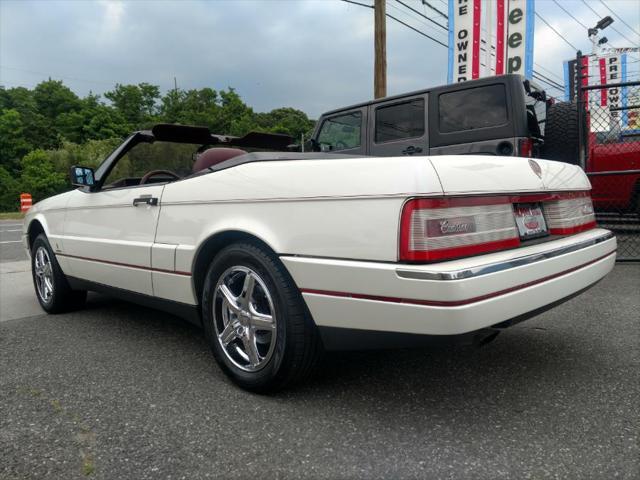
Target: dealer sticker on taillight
[{"x": 530, "y": 220}]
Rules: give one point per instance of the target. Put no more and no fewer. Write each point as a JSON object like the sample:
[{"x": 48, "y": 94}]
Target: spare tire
[{"x": 561, "y": 133}]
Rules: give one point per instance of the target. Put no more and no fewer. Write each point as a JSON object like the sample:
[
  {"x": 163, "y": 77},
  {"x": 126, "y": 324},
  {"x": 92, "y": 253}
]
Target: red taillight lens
[
  {"x": 571, "y": 214},
  {"x": 445, "y": 228},
  {"x": 437, "y": 229},
  {"x": 525, "y": 147}
]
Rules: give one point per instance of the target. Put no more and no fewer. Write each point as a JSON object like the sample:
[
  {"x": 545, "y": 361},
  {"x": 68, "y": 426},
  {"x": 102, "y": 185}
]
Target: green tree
[
  {"x": 9, "y": 191},
  {"x": 38, "y": 129},
  {"x": 286, "y": 120},
  {"x": 234, "y": 116},
  {"x": 190, "y": 107},
  {"x": 90, "y": 153},
  {"x": 94, "y": 121},
  {"x": 54, "y": 98},
  {"x": 136, "y": 103},
  {"x": 39, "y": 176},
  {"x": 12, "y": 142}
]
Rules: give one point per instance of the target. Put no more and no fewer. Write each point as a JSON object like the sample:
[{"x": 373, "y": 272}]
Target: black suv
[{"x": 501, "y": 115}]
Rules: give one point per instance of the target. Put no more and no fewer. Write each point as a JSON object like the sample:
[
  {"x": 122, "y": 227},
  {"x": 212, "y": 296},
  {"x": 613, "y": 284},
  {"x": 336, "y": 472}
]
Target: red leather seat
[{"x": 213, "y": 156}]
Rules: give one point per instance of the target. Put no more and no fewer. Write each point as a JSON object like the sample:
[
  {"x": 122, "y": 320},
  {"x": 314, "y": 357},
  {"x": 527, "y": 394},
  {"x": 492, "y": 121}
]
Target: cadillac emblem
[{"x": 536, "y": 168}]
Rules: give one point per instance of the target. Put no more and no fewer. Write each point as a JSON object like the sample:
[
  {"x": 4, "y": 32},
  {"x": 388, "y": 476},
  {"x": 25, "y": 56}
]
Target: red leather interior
[{"x": 213, "y": 156}]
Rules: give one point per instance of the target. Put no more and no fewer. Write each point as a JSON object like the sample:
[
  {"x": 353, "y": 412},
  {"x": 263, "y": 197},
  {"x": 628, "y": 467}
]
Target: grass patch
[
  {"x": 56, "y": 405},
  {"x": 11, "y": 216},
  {"x": 88, "y": 466}
]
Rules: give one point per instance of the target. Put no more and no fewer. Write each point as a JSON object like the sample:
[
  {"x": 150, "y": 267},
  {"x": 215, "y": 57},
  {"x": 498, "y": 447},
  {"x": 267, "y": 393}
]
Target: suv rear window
[
  {"x": 472, "y": 108},
  {"x": 399, "y": 121}
]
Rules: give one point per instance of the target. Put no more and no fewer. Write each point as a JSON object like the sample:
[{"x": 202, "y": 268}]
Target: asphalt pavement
[
  {"x": 11, "y": 248},
  {"x": 119, "y": 391}
]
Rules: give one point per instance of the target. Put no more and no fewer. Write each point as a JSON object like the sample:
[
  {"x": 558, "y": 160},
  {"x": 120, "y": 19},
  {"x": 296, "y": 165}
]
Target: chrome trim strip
[{"x": 501, "y": 266}]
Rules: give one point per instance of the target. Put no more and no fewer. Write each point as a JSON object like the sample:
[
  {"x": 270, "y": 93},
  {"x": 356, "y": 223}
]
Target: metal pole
[
  {"x": 580, "y": 111},
  {"x": 380, "y": 47}
]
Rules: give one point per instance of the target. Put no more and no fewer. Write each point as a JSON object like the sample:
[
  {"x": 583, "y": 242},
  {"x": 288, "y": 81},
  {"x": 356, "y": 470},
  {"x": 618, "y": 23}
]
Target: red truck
[
  {"x": 619, "y": 191},
  {"x": 612, "y": 154}
]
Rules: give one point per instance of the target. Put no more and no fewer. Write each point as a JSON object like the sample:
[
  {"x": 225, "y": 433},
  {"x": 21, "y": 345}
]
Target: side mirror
[
  {"x": 82, "y": 176},
  {"x": 311, "y": 145}
]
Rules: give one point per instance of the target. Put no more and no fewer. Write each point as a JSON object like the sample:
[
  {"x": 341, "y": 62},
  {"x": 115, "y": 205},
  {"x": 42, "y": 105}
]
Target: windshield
[{"x": 144, "y": 157}]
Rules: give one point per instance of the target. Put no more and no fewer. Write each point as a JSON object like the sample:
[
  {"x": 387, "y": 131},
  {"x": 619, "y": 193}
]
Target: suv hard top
[{"x": 501, "y": 115}]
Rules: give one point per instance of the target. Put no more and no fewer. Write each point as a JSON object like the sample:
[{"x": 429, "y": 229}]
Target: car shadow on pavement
[{"x": 522, "y": 361}]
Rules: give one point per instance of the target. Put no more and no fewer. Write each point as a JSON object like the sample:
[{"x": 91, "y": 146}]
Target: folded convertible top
[{"x": 166, "y": 132}]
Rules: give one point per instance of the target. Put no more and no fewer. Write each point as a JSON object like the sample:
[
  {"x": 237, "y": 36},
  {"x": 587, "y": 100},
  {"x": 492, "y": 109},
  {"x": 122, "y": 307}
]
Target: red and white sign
[
  {"x": 510, "y": 22},
  {"x": 514, "y": 36},
  {"x": 613, "y": 69},
  {"x": 464, "y": 60}
]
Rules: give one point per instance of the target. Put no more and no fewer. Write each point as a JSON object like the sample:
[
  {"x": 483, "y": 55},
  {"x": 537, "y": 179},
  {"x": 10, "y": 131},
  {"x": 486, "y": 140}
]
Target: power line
[
  {"x": 424, "y": 2},
  {"x": 422, "y": 15},
  {"x": 569, "y": 13},
  {"x": 556, "y": 32},
  {"x": 619, "y": 18},
  {"x": 611, "y": 26},
  {"x": 358, "y": 3},
  {"x": 34, "y": 72},
  {"x": 401, "y": 22},
  {"x": 17, "y": 84},
  {"x": 547, "y": 84},
  {"x": 549, "y": 72},
  {"x": 549, "y": 80},
  {"x": 413, "y": 17},
  {"x": 417, "y": 31},
  {"x": 539, "y": 76}
]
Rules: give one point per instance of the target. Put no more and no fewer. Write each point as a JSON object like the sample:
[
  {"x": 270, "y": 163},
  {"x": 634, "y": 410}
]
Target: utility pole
[{"x": 380, "y": 47}]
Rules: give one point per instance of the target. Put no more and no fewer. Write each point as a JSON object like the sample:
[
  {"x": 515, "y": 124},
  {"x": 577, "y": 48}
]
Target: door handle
[
  {"x": 410, "y": 150},
  {"x": 148, "y": 199}
]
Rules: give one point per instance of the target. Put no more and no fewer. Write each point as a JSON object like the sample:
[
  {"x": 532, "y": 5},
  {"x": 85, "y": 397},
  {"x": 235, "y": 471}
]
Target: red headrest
[{"x": 213, "y": 156}]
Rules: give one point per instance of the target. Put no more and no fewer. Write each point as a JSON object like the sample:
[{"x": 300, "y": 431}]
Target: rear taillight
[
  {"x": 572, "y": 213},
  {"x": 445, "y": 228},
  {"x": 437, "y": 229},
  {"x": 525, "y": 147}
]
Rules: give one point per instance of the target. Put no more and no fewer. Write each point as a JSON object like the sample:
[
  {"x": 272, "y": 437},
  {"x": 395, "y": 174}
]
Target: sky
[{"x": 314, "y": 55}]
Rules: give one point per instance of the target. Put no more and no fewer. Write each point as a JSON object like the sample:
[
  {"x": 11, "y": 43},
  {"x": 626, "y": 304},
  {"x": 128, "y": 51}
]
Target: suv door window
[
  {"x": 341, "y": 132},
  {"x": 472, "y": 108},
  {"x": 400, "y": 121}
]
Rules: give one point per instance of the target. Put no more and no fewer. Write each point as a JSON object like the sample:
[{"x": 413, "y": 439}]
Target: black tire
[
  {"x": 297, "y": 349},
  {"x": 561, "y": 133},
  {"x": 62, "y": 298}
]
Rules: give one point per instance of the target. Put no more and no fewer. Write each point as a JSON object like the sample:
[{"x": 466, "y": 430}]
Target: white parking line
[
  {"x": 10, "y": 225},
  {"x": 12, "y": 241},
  {"x": 14, "y": 230}
]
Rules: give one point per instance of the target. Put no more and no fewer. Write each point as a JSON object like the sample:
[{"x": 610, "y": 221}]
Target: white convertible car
[{"x": 282, "y": 255}]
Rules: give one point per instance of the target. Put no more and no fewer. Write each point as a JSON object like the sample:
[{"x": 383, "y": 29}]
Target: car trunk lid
[{"x": 471, "y": 174}]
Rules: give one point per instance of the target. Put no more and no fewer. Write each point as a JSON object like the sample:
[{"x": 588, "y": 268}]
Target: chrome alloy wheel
[
  {"x": 244, "y": 318},
  {"x": 44, "y": 274}
]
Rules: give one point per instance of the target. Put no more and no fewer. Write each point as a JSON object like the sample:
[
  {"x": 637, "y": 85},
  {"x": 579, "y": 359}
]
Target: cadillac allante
[{"x": 279, "y": 255}]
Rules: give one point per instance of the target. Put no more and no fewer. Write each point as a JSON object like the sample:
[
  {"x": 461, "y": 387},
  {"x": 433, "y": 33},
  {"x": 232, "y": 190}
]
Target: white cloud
[
  {"x": 113, "y": 13},
  {"x": 308, "y": 54}
]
